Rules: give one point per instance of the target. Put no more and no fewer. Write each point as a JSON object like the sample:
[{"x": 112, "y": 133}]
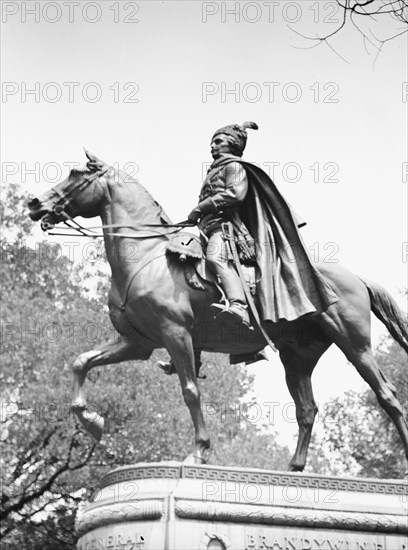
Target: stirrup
[
  {"x": 217, "y": 308},
  {"x": 228, "y": 309}
]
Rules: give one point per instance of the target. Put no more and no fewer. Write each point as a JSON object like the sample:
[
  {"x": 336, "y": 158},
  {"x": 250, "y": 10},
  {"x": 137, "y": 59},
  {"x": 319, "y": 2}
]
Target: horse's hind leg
[
  {"x": 299, "y": 365},
  {"x": 348, "y": 324},
  {"x": 384, "y": 390},
  {"x": 112, "y": 352}
]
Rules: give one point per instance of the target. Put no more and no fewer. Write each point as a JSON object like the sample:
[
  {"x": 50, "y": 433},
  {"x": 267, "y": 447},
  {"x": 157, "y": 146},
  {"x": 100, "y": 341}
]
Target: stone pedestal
[{"x": 180, "y": 507}]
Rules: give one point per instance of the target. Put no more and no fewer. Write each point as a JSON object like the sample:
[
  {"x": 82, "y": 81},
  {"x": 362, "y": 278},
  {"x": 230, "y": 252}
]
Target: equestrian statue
[{"x": 245, "y": 283}]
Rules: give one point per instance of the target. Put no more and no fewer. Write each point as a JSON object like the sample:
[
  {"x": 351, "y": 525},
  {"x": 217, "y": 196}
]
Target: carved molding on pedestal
[
  {"x": 244, "y": 475},
  {"x": 311, "y": 481},
  {"x": 298, "y": 517},
  {"x": 130, "y": 473},
  {"x": 119, "y": 513}
]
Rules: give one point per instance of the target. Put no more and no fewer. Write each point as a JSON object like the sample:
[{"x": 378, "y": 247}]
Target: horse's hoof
[
  {"x": 296, "y": 467},
  {"x": 194, "y": 459},
  {"x": 94, "y": 424}
]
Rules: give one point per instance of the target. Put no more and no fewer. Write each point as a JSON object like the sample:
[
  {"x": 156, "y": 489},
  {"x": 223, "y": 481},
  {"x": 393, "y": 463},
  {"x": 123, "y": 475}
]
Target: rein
[
  {"x": 64, "y": 199},
  {"x": 81, "y": 231}
]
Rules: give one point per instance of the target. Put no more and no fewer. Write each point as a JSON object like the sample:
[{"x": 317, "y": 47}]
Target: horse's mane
[{"x": 162, "y": 217}]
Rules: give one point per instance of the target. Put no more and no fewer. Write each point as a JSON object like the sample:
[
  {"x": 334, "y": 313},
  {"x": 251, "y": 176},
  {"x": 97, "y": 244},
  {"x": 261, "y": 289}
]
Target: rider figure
[
  {"x": 288, "y": 286},
  {"x": 223, "y": 191}
]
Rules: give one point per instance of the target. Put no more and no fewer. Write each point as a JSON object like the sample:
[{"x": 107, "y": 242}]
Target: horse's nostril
[
  {"x": 47, "y": 223},
  {"x": 33, "y": 203}
]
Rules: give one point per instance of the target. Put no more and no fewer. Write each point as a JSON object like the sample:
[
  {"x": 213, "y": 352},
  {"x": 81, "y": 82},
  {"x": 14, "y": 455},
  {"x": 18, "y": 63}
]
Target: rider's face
[{"x": 220, "y": 146}]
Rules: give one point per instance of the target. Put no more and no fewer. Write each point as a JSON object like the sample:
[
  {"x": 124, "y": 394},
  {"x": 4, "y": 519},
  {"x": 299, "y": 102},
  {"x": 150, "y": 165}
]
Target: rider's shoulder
[{"x": 234, "y": 167}]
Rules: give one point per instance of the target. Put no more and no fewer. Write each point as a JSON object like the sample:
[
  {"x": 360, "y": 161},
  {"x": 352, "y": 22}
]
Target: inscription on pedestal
[
  {"x": 269, "y": 542},
  {"x": 114, "y": 542}
]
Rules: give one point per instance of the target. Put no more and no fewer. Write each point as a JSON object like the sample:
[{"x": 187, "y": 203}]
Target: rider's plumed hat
[{"x": 237, "y": 135}]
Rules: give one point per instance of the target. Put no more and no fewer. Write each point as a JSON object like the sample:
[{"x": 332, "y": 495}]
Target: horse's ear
[
  {"x": 94, "y": 164},
  {"x": 90, "y": 156}
]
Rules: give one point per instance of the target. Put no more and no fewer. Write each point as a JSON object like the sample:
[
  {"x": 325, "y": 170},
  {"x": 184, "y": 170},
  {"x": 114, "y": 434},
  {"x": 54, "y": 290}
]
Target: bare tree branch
[
  {"x": 365, "y": 37},
  {"x": 28, "y": 497},
  {"x": 324, "y": 39},
  {"x": 394, "y": 9},
  {"x": 336, "y": 53}
]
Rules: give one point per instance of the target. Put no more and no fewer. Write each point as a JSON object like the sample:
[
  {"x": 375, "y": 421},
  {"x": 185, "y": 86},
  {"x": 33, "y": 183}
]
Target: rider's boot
[{"x": 237, "y": 308}]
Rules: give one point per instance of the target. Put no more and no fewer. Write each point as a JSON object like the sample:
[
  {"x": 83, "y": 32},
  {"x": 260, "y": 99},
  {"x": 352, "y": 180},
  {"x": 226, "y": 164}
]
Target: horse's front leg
[
  {"x": 179, "y": 344},
  {"x": 112, "y": 352}
]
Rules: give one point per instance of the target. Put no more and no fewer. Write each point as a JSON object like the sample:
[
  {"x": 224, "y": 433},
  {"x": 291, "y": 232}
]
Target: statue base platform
[{"x": 176, "y": 506}]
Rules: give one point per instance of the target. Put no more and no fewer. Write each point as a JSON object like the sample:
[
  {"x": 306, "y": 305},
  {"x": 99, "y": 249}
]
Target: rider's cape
[{"x": 289, "y": 285}]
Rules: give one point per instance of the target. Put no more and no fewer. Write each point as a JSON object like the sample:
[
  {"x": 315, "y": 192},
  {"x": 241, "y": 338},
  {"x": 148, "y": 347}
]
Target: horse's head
[{"x": 81, "y": 194}]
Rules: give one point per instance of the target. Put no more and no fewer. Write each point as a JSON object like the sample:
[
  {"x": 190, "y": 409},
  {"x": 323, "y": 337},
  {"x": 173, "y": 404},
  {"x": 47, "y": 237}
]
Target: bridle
[
  {"x": 69, "y": 195},
  {"x": 64, "y": 200}
]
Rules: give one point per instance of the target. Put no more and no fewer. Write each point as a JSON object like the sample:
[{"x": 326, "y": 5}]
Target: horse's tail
[{"x": 386, "y": 309}]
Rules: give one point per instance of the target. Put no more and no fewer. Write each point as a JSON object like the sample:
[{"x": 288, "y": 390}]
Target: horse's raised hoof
[
  {"x": 91, "y": 421},
  {"x": 95, "y": 426}
]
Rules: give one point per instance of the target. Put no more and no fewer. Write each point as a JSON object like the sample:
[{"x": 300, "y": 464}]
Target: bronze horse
[{"x": 152, "y": 306}]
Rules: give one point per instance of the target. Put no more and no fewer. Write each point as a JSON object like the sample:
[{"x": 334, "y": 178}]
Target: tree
[
  {"x": 41, "y": 446},
  {"x": 359, "y": 437},
  {"x": 48, "y": 464}
]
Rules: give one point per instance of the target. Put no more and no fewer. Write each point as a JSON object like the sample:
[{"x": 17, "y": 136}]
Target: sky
[{"x": 144, "y": 85}]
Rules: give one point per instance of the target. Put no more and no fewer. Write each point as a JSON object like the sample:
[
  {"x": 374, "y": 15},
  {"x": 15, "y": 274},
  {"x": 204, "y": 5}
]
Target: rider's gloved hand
[{"x": 194, "y": 216}]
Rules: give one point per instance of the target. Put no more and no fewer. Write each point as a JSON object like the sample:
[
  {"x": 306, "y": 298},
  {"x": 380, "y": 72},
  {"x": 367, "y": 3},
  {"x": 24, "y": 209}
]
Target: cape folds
[{"x": 289, "y": 286}]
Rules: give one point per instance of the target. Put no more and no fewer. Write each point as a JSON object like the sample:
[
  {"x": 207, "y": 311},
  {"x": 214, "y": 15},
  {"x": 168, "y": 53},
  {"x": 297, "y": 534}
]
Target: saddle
[{"x": 187, "y": 249}]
